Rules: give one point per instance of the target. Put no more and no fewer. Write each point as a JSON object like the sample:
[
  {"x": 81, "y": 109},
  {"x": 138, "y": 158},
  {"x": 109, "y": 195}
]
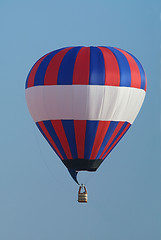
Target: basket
[{"x": 82, "y": 196}]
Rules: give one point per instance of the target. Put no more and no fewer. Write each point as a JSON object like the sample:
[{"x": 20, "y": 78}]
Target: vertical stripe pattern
[
  {"x": 81, "y": 139},
  {"x": 88, "y": 66}
]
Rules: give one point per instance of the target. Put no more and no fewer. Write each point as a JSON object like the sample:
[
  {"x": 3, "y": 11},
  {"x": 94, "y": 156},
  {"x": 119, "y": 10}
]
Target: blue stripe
[
  {"x": 91, "y": 129},
  {"x": 54, "y": 136},
  {"x": 68, "y": 126},
  {"x": 40, "y": 73},
  {"x": 125, "y": 72},
  {"x": 65, "y": 74},
  {"x": 119, "y": 133},
  {"x": 37, "y": 124},
  {"x": 97, "y": 67},
  {"x": 142, "y": 73},
  {"x": 110, "y": 130}
]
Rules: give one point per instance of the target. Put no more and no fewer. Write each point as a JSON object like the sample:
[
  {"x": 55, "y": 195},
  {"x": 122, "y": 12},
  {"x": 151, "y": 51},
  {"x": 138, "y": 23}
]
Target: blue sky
[{"x": 38, "y": 197}]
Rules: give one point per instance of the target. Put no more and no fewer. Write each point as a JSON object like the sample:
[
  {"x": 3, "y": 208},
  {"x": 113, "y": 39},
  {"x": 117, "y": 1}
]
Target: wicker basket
[{"x": 82, "y": 196}]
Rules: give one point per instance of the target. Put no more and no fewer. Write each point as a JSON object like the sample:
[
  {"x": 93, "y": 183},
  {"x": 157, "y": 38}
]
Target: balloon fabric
[{"x": 83, "y": 100}]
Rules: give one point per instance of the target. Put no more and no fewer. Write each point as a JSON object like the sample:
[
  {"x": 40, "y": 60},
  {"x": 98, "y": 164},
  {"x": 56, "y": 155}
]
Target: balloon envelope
[{"x": 83, "y": 100}]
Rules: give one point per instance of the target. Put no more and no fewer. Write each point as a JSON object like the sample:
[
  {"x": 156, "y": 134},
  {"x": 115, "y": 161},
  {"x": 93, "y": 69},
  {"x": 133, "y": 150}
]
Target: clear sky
[{"x": 38, "y": 198}]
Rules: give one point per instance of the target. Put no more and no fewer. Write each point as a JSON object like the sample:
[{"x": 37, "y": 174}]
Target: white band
[{"x": 84, "y": 102}]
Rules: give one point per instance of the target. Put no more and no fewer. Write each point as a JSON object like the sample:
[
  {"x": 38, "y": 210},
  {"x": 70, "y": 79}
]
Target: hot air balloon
[{"x": 83, "y": 100}]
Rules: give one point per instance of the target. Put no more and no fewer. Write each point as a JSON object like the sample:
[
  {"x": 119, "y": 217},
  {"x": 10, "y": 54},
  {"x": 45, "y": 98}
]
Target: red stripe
[
  {"x": 58, "y": 127},
  {"x": 82, "y": 67},
  {"x": 135, "y": 73},
  {"x": 112, "y": 72},
  {"x": 116, "y": 141},
  {"x": 117, "y": 129},
  {"x": 31, "y": 77},
  {"x": 46, "y": 133},
  {"x": 53, "y": 67},
  {"x": 100, "y": 135},
  {"x": 80, "y": 131}
]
